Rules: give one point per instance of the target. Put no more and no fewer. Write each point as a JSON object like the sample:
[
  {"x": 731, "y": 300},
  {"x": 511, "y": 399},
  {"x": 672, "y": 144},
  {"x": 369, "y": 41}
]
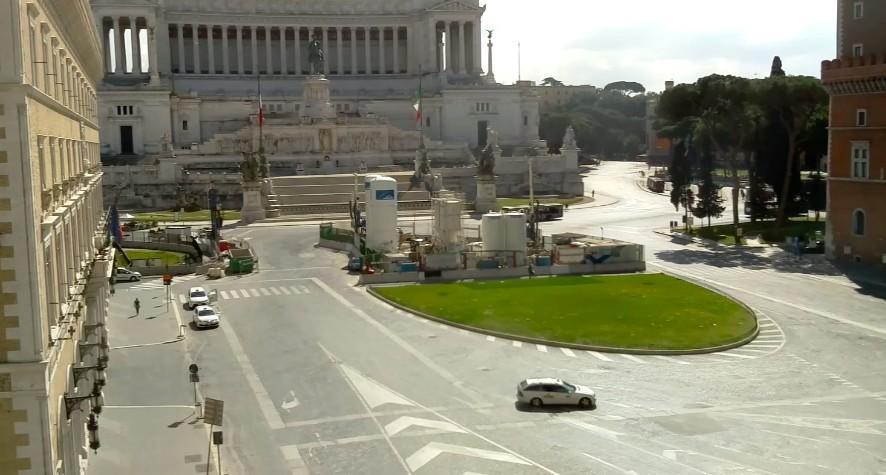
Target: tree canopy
[
  {"x": 549, "y": 81},
  {"x": 625, "y": 87}
]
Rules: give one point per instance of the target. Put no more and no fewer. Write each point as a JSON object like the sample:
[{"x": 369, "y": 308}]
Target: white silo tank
[
  {"x": 514, "y": 231},
  {"x": 448, "y": 234},
  {"x": 492, "y": 232},
  {"x": 381, "y": 213}
]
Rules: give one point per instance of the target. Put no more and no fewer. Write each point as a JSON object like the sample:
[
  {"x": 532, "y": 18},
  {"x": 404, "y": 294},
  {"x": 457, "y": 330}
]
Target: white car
[
  {"x": 197, "y": 296},
  {"x": 538, "y": 392},
  {"x": 125, "y": 275},
  {"x": 205, "y": 317}
]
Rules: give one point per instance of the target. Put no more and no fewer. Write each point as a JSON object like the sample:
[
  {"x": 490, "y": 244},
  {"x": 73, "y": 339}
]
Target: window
[
  {"x": 858, "y": 222},
  {"x": 525, "y": 120},
  {"x": 860, "y": 159},
  {"x": 861, "y": 117},
  {"x": 427, "y": 121},
  {"x": 184, "y": 125},
  {"x": 858, "y": 50},
  {"x": 483, "y": 107},
  {"x": 125, "y": 110},
  {"x": 858, "y": 10}
]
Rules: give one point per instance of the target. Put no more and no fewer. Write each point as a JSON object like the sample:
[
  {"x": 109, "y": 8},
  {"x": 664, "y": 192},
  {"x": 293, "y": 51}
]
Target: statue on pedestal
[
  {"x": 250, "y": 168},
  {"x": 316, "y": 56},
  {"x": 486, "y": 163},
  {"x": 569, "y": 139}
]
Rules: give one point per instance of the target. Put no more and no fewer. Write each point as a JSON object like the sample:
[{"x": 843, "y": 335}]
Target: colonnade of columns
[
  {"x": 250, "y": 49},
  {"x": 457, "y": 47},
  {"x": 124, "y": 56}
]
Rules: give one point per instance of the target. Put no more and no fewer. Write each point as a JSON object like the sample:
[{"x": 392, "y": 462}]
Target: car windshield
[
  {"x": 205, "y": 312},
  {"x": 570, "y": 387},
  {"x": 198, "y": 294}
]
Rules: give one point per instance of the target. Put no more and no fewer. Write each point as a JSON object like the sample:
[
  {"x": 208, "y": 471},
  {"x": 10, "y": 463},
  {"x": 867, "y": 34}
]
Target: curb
[{"x": 576, "y": 346}]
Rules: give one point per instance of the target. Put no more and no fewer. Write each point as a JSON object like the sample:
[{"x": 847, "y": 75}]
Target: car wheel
[
  {"x": 536, "y": 402},
  {"x": 584, "y": 402},
  {"x": 133, "y": 279}
]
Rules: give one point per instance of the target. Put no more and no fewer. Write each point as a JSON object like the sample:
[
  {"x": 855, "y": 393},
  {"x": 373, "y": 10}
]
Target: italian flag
[{"x": 417, "y": 105}]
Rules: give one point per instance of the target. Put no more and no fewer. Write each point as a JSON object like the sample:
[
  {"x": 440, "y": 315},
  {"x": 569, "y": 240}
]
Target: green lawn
[
  {"x": 767, "y": 230},
  {"x": 170, "y": 258},
  {"x": 648, "y": 311},
  {"x": 525, "y": 201},
  {"x": 202, "y": 215}
]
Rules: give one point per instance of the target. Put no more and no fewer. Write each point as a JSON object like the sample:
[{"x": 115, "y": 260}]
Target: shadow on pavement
[{"x": 558, "y": 409}]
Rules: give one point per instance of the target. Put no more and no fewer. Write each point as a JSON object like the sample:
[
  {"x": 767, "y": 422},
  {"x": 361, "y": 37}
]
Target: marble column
[
  {"x": 210, "y": 39},
  {"x": 239, "y": 49},
  {"x": 353, "y": 50},
  {"x": 109, "y": 52},
  {"x": 409, "y": 51},
  {"x": 136, "y": 47},
  {"x": 396, "y": 49},
  {"x": 284, "y": 67},
  {"x": 339, "y": 66},
  {"x": 253, "y": 41},
  {"x": 152, "y": 52},
  {"x": 367, "y": 43},
  {"x": 382, "y": 66},
  {"x": 195, "y": 42},
  {"x": 462, "y": 63},
  {"x": 448, "y": 45},
  {"x": 326, "y": 49},
  {"x": 297, "y": 47},
  {"x": 477, "y": 49},
  {"x": 226, "y": 55},
  {"x": 268, "y": 51},
  {"x": 119, "y": 48},
  {"x": 182, "y": 64}
]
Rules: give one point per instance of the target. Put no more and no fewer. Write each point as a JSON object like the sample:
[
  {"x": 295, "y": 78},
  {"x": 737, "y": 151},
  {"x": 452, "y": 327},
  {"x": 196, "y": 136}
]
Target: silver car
[
  {"x": 123, "y": 274},
  {"x": 538, "y": 392},
  {"x": 205, "y": 317}
]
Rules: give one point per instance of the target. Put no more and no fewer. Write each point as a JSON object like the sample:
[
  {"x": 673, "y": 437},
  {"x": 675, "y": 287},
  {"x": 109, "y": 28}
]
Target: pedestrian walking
[
  {"x": 592, "y": 193},
  {"x": 531, "y": 271},
  {"x": 138, "y": 306}
]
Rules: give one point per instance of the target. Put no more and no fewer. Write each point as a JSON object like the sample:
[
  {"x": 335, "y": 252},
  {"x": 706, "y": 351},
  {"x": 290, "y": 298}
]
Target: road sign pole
[{"x": 209, "y": 449}]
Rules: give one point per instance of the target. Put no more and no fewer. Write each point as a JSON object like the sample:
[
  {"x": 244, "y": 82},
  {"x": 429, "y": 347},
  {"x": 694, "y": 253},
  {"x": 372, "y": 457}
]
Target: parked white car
[
  {"x": 197, "y": 296},
  {"x": 538, "y": 392},
  {"x": 125, "y": 275},
  {"x": 205, "y": 317}
]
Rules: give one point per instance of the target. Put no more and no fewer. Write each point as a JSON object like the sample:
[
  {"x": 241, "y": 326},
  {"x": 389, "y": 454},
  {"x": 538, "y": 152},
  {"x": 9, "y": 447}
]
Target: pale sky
[{"x": 650, "y": 41}]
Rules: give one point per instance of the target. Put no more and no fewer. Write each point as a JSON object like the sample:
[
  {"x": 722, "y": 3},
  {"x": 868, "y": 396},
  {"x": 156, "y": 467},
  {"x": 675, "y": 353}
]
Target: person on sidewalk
[{"x": 138, "y": 306}]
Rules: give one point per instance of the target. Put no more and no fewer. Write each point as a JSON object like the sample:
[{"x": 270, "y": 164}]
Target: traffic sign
[
  {"x": 193, "y": 368},
  {"x": 212, "y": 411},
  {"x": 167, "y": 279}
]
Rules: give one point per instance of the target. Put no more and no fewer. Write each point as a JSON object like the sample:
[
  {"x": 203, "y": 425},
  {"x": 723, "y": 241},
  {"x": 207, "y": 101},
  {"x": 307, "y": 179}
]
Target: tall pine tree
[{"x": 710, "y": 203}]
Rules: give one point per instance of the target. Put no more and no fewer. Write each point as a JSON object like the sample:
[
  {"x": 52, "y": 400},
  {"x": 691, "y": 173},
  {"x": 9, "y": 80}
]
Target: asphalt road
[{"x": 318, "y": 377}]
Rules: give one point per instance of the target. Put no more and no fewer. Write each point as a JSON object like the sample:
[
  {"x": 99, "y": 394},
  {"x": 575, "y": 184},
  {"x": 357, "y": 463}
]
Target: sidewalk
[{"x": 149, "y": 423}]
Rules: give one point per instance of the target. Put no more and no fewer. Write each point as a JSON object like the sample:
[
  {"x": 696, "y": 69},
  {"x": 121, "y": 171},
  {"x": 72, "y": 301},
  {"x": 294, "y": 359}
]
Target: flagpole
[{"x": 261, "y": 120}]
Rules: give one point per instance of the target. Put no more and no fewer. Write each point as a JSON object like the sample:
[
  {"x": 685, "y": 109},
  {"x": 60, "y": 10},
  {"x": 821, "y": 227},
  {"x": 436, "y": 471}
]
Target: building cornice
[
  {"x": 855, "y": 75},
  {"x": 870, "y": 181}
]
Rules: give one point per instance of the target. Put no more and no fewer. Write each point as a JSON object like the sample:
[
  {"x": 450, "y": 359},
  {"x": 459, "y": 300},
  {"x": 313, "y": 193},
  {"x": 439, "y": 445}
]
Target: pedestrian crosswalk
[
  {"x": 153, "y": 283},
  {"x": 257, "y": 292}
]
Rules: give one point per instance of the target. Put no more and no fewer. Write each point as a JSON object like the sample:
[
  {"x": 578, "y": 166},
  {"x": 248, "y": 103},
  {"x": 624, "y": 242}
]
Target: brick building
[
  {"x": 856, "y": 82},
  {"x": 54, "y": 264}
]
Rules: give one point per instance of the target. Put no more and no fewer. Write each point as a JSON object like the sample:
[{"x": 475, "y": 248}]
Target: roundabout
[{"x": 644, "y": 314}]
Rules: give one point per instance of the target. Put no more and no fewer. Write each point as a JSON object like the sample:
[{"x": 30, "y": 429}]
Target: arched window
[{"x": 858, "y": 222}]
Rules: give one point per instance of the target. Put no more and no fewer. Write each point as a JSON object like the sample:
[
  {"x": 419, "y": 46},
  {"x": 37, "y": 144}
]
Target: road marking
[
  {"x": 736, "y": 355},
  {"x": 182, "y": 299},
  {"x": 293, "y": 459},
  {"x": 285, "y": 291},
  {"x": 223, "y": 294},
  {"x": 430, "y": 451},
  {"x": 633, "y": 358},
  {"x": 244, "y": 293},
  {"x": 254, "y": 293},
  {"x": 830, "y": 316},
  {"x": 753, "y": 350},
  {"x": 568, "y": 352},
  {"x": 268, "y": 409},
  {"x": 371, "y": 392},
  {"x": 291, "y": 404},
  {"x": 542, "y": 348},
  {"x": 404, "y": 422},
  {"x": 305, "y": 289},
  {"x": 490, "y": 338},
  {"x": 612, "y": 466},
  {"x": 599, "y": 356},
  {"x": 275, "y": 291},
  {"x": 773, "y": 330},
  {"x": 431, "y": 364},
  {"x": 265, "y": 292},
  {"x": 517, "y": 344},
  {"x": 235, "y": 295},
  {"x": 295, "y": 290},
  {"x": 759, "y": 345},
  {"x": 670, "y": 359},
  {"x": 609, "y": 434}
]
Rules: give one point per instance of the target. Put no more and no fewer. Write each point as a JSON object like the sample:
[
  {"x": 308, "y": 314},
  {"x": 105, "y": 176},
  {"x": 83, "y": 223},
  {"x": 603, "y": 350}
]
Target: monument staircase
[{"x": 331, "y": 194}]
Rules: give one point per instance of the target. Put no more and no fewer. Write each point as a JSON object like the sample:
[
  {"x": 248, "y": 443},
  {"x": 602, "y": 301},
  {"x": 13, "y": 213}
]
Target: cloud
[{"x": 597, "y": 42}]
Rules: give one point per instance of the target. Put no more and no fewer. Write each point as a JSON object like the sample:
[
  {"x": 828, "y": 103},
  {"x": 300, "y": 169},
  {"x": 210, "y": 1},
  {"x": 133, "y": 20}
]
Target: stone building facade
[
  {"x": 200, "y": 61},
  {"x": 54, "y": 264},
  {"x": 856, "y": 230}
]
